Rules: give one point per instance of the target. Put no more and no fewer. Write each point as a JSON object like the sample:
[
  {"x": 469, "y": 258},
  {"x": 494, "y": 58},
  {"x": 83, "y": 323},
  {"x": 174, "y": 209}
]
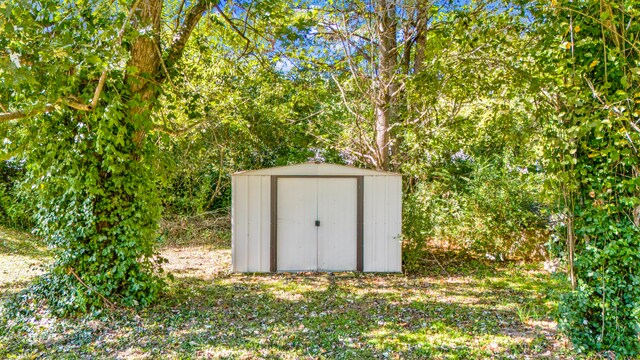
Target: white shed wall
[
  {"x": 251, "y": 216},
  {"x": 250, "y": 223},
  {"x": 382, "y": 224}
]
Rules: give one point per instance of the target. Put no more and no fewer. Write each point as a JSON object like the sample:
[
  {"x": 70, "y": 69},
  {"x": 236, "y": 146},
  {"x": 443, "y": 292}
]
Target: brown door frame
[{"x": 359, "y": 216}]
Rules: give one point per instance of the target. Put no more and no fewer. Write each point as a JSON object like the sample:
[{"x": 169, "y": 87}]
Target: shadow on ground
[
  {"x": 17, "y": 243},
  {"x": 210, "y": 313},
  {"x": 21, "y": 259}
]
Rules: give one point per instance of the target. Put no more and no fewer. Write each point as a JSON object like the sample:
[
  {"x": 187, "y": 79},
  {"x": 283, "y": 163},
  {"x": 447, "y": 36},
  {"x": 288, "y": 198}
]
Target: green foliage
[
  {"x": 262, "y": 112},
  {"x": 485, "y": 208},
  {"x": 94, "y": 181},
  {"x": 472, "y": 157},
  {"x": 593, "y": 154},
  {"x": 55, "y": 48},
  {"x": 98, "y": 210},
  {"x": 16, "y": 209},
  {"x": 222, "y": 117}
]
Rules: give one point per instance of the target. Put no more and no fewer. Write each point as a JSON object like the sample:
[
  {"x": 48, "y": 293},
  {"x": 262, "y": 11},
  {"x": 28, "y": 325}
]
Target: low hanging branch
[
  {"x": 175, "y": 52},
  {"x": 72, "y": 101},
  {"x": 22, "y": 114}
]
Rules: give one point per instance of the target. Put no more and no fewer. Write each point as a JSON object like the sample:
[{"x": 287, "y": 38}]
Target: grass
[
  {"x": 20, "y": 260},
  {"x": 474, "y": 310}
]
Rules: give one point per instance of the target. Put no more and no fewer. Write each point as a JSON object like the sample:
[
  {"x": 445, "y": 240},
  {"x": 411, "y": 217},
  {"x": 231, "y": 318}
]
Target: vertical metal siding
[
  {"x": 386, "y": 241},
  {"x": 240, "y": 222},
  {"x": 265, "y": 222},
  {"x": 253, "y": 223},
  {"x": 382, "y": 226},
  {"x": 250, "y": 223},
  {"x": 370, "y": 220},
  {"x": 380, "y": 213},
  {"x": 233, "y": 223},
  {"x": 394, "y": 224},
  {"x": 368, "y": 231}
]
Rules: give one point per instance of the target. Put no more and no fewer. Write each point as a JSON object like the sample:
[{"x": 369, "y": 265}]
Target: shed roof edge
[{"x": 261, "y": 172}]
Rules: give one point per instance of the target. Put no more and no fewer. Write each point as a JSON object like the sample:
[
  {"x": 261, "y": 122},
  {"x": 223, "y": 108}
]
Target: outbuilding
[{"x": 316, "y": 217}]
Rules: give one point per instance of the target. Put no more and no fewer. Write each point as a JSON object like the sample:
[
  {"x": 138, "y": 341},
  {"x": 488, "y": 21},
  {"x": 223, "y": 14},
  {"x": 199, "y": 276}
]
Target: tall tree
[
  {"x": 413, "y": 63},
  {"x": 387, "y": 82},
  {"x": 83, "y": 80},
  {"x": 369, "y": 42}
]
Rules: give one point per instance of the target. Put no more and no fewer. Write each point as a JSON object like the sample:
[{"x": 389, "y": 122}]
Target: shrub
[
  {"x": 485, "y": 207},
  {"x": 16, "y": 207}
]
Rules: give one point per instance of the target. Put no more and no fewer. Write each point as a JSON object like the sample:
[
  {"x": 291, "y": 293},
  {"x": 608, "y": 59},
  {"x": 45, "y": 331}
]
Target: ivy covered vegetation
[{"x": 515, "y": 125}]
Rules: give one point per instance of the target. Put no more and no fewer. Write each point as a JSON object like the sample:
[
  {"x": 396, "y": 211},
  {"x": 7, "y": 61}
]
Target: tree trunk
[
  {"x": 145, "y": 58},
  {"x": 387, "y": 81},
  {"x": 420, "y": 35}
]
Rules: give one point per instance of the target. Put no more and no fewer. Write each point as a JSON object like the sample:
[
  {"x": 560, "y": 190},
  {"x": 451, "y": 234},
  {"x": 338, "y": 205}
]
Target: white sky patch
[
  {"x": 15, "y": 58},
  {"x": 313, "y": 31},
  {"x": 145, "y": 30},
  {"x": 284, "y": 65}
]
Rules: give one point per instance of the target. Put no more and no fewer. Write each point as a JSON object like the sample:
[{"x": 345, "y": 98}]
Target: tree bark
[
  {"x": 387, "y": 81},
  {"x": 420, "y": 35},
  {"x": 145, "y": 59}
]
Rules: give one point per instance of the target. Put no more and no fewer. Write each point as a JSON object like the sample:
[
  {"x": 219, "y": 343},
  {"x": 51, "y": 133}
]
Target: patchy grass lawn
[
  {"x": 20, "y": 260},
  {"x": 473, "y": 311}
]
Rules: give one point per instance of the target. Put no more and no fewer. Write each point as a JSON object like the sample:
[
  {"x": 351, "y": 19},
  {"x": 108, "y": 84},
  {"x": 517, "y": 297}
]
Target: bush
[
  {"x": 98, "y": 210},
  {"x": 485, "y": 207},
  {"x": 604, "y": 311},
  {"x": 16, "y": 209}
]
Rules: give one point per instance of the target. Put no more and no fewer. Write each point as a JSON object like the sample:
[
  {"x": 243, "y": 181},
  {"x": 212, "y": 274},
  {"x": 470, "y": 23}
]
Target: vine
[
  {"x": 98, "y": 209},
  {"x": 593, "y": 153}
]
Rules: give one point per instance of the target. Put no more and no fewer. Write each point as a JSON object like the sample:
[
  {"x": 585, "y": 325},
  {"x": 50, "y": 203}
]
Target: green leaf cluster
[
  {"x": 593, "y": 156},
  {"x": 98, "y": 210}
]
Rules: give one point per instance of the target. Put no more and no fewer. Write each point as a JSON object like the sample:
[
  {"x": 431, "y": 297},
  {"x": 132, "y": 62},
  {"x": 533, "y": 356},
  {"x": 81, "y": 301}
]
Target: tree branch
[
  {"x": 180, "y": 40},
  {"x": 70, "y": 101},
  {"x": 74, "y": 103},
  {"x": 178, "y": 15},
  {"x": 22, "y": 114},
  {"x": 107, "y": 303},
  {"x": 233, "y": 26}
]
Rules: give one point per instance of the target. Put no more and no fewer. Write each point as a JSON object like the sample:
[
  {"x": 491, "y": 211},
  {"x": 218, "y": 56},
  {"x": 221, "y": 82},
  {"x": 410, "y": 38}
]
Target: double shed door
[{"x": 317, "y": 224}]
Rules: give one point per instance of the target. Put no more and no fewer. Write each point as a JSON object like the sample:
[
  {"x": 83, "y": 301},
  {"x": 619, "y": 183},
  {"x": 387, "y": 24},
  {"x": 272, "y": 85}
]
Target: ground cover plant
[{"x": 466, "y": 309}]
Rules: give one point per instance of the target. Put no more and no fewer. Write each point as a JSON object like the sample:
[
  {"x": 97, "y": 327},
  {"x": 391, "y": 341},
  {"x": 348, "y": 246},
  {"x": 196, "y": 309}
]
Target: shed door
[
  {"x": 304, "y": 244},
  {"x": 297, "y": 233},
  {"x": 337, "y": 233}
]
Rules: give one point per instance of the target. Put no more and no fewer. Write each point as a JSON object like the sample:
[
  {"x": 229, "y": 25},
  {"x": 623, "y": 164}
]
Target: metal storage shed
[{"x": 316, "y": 217}]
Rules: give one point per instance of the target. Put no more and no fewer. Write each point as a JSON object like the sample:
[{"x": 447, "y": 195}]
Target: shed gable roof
[{"x": 313, "y": 169}]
